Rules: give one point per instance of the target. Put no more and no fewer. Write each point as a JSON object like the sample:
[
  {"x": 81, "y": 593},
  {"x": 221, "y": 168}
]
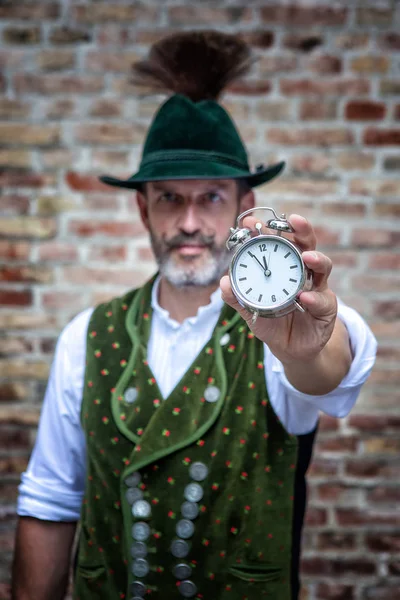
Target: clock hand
[
  {"x": 267, "y": 273},
  {"x": 265, "y": 262}
]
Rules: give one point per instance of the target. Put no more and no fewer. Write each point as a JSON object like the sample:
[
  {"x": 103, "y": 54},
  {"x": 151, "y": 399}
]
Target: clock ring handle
[{"x": 278, "y": 223}]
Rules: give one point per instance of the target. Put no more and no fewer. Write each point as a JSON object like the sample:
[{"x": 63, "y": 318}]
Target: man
[{"x": 176, "y": 431}]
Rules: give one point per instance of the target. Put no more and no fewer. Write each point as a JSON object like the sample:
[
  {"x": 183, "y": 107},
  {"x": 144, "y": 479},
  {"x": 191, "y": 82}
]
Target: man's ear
[
  {"x": 247, "y": 201},
  {"x": 143, "y": 209}
]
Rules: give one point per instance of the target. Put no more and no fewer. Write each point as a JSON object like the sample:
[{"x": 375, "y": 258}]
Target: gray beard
[{"x": 214, "y": 267}]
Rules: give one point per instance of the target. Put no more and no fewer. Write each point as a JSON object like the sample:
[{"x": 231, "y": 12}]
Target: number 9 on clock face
[{"x": 267, "y": 273}]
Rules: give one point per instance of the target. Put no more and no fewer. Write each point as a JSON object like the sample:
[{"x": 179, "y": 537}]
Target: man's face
[{"x": 189, "y": 223}]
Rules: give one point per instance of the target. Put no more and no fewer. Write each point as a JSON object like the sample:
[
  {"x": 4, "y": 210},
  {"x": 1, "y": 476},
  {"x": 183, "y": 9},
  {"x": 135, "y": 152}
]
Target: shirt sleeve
[
  {"x": 299, "y": 412},
  {"x": 53, "y": 485}
]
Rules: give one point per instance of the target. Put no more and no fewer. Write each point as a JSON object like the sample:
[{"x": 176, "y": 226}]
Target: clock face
[{"x": 267, "y": 272}]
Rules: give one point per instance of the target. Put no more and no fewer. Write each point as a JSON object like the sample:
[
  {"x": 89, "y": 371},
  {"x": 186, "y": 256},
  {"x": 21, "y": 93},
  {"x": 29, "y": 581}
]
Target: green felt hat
[
  {"x": 192, "y": 136},
  {"x": 194, "y": 140}
]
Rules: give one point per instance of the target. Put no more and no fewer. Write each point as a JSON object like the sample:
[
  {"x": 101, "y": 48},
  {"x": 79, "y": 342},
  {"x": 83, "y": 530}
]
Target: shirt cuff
[{"x": 43, "y": 501}]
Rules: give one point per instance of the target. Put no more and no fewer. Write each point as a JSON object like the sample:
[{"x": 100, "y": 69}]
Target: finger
[
  {"x": 304, "y": 235},
  {"x": 321, "y": 265},
  {"x": 229, "y": 297},
  {"x": 322, "y": 305}
]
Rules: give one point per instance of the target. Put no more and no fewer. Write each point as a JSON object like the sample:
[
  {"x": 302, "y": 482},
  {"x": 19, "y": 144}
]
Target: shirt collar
[{"x": 204, "y": 312}]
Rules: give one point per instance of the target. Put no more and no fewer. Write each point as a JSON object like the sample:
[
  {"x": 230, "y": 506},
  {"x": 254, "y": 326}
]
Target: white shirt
[{"x": 52, "y": 487}]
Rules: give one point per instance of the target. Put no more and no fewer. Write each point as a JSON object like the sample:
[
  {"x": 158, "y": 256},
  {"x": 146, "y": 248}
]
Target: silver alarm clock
[{"x": 267, "y": 272}]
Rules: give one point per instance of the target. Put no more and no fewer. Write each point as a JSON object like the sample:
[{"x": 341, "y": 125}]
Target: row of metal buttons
[{"x": 141, "y": 509}]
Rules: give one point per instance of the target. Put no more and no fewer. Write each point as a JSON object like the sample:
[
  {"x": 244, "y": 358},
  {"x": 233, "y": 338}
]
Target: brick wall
[{"x": 324, "y": 96}]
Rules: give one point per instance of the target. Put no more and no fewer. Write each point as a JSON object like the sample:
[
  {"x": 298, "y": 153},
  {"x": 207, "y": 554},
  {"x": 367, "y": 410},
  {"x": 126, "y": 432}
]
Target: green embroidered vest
[{"x": 187, "y": 496}]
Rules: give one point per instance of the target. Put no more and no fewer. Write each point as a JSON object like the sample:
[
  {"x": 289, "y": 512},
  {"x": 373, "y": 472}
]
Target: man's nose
[{"x": 189, "y": 220}]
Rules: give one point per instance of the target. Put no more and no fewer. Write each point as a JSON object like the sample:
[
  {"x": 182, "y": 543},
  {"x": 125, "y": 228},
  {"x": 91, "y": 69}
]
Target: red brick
[
  {"x": 335, "y": 591},
  {"x": 28, "y": 134},
  {"x": 14, "y": 204},
  {"x": 381, "y": 137},
  {"x": 13, "y": 108},
  {"x": 309, "y": 137},
  {"x": 299, "y": 15},
  {"x": 351, "y": 41},
  {"x": 90, "y": 228},
  {"x": 366, "y": 283},
  {"x": 27, "y": 227},
  {"x": 15, "y": 439},
  {"x": 204, "y": 15},
  {"x": 110, "y": 133},
  {"x": 68, "y": 35},
  {"x": 354, "y": 517},
  {"x": 325, "y": 64},
  {"x": 29, "y": 10},
  {"x": 56, "y": 60},
  {"x": 336, "y": 540},
  {"x": 48, "y": 345},
  {"x": 145, "y": 254},
  {"x": 324, "y": 87},
  {"x": 13, "y": 391},
  {"x": 394, "y": 568},
  {"x": 364, "y": 110},
  {"x": 24, "y": 35},
  {"x": 109, "y": 12},
  {"x": 274, "y": 63},
  {"x": 341, "y": 209},
  {"x": 316, "y": 516},
  {"x": 26, "y": 274},
  {"x": 14, "y": 250},
  {"x": 110, "y": 61},
  {"x": 378, "y": 423},
  {"x": 61, "y": 299},
  {"x": 14, "y": 345},
  {"x": 302, "y": 186},
  {"x": 82, "y": 182},
  {"x": 108, "y": 253},
  {"x": 250, "y": 87},
  {"x": 13, "y": 465},
  {"x": 384, "y": 495},
  {"x": 15, "y": 297},
  {"x": 98, "y": 203},
  {"x": 385, "y": 591},
  {"x": 327, "y": 423},
  {"x": 323, "y": 467},
  {"x": 337, "y": 567},
  {"x": 58, "y": 252},
  {"x": 23, "y": 369},
  {"x": 338, "y": 444},
  {"x": 384, "y": 260},
  {"x": 388, "y": 87},
  {"x": 389, "y": 210},
  {"x": 373, "y": 238},
  {"x": 388, "y": 354},
  {"x": 374, "y": 15},
  {"x": 367, "y": 468},
  {"x": 106, "y": 108},
  {"x": 304, "y": 42},
  {"x": 355, "y": 160},
  {"x": 375, "y": 186},
  {"x": 258, "y": 38},
  {"x": 26, "y": 320},
  {"x": 317, "y": 110},
  {"x": 311, "y": 163},
  {"x": 389, "y": 41},
  {"x": 110, "y": 159},
  {"x": 384, "y": 330},
  {"x": 370, "y": 64},
  {"x": 12, "y": 157},
  {"x": 108, "y": 276},
  {"x": 25, "y": 83},
  {"x": 388, "y": 309},
  {"x": 383, "y": 542},
  {"x": 16, "y": 177}
]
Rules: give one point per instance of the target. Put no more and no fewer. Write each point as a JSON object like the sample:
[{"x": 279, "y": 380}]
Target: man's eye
[
  {"x": 167, "y": 197},
  {"x": 213, "y": 197}
]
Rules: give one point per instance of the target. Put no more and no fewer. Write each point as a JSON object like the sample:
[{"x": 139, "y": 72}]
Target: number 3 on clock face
[{"x": 267, "y": 274}]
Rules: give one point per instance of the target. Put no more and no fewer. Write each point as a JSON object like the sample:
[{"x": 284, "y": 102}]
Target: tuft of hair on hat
[{"x": 197, "y": 64}]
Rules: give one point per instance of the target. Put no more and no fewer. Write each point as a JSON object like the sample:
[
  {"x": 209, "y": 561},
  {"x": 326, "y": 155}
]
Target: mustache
[{"x": 185, "y": 239}]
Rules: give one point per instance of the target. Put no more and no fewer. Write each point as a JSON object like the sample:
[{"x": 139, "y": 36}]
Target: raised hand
[{"x": 315, "y": 339}]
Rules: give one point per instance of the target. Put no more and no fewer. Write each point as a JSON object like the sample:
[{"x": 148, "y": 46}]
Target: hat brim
[{"x": 187, "y": 169}]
